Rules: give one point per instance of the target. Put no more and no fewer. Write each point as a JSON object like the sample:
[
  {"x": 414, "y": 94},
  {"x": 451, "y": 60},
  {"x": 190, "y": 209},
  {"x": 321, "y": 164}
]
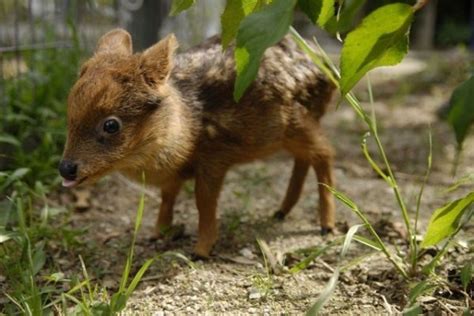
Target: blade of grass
[
  {"x": 84, "y": 307},
  {"x": 33, "y": 299},
  {"x": 367, "y": 242},
  {"x": 87, "y": 280},
  {"x": 271, "y": 263},
  {"x": 70, "y": 292},
  {"x": 179, "y": 256},
  {"x": 131, "y": 252},
  {"x": 325, "y": 295},
  {"x": 414, "y": 254},
  {"x": 357, "y": 260},
  {"x": 347, "y": 241},
  {"x": 15, "y": 302},
  {"x": 28, "y": 309},
  {"x": 303, "y": 264},
  {"x": 138, "y": 277},
  {"x": 419, "y": 289},
  {"x": 467, "y": 179},
  {"x": 119, "y": 299},
  {"x": 352, "y": 206}
]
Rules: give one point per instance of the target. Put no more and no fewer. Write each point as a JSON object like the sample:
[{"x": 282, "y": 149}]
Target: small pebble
[
  {"x": 247, "y": 253},
  {"x": 254, "y": 294}
]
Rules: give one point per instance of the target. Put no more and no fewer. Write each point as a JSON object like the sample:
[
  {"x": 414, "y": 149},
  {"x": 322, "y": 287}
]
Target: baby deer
[{"x": 173, "y": 117}]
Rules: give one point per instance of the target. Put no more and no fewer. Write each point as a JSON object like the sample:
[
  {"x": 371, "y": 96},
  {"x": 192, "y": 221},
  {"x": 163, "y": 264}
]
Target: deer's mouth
[{"x": 73, "y": 183}]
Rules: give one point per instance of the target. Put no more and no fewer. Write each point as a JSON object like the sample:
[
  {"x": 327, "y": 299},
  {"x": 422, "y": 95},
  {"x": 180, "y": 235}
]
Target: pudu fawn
[{"x": 173, "y": 117}]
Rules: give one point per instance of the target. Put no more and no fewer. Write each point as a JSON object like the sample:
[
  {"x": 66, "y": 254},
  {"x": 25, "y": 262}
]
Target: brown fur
[{"x": 179, "y": 121}]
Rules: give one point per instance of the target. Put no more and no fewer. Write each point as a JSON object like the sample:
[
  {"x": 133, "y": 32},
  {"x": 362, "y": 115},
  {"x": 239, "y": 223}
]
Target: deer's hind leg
[
  {"x": 293, "y": 192},
  {"x": 322, "y": 165},
  {"x": 307, "y": 143}
]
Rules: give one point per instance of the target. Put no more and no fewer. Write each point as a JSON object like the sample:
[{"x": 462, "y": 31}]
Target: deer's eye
[{"x": 112, "y": 126}]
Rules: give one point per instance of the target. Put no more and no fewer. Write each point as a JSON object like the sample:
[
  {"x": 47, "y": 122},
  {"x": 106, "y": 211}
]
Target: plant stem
[
  {"x": 414, "y": 259},
  {"x": 420, "y": 4},
  {"x": 393, "y": 182},
  {"x": 457, "y": 159}
]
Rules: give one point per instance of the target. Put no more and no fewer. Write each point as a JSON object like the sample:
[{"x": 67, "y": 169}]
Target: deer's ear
[
  {"x": 157, "y": 61},
  {"x": 117, "y": 41}
]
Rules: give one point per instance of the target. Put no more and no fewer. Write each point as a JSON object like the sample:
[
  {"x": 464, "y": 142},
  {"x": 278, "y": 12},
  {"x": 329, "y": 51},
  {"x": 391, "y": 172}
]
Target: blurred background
[
  {"x": 34, "y": 25},
  {"x": 42, "y": 43}
]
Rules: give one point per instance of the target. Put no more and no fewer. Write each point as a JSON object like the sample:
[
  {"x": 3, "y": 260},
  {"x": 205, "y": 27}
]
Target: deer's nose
[{"x": 68, "y": 169}]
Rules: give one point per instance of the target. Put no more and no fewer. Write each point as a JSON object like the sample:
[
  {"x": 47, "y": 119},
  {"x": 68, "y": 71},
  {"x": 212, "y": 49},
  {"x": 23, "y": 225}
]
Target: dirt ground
[{"x": 236, "y": 279}]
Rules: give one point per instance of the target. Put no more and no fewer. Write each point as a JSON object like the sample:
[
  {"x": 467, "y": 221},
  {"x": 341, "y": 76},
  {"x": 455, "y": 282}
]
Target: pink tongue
[{"x": 69, "y": 183}]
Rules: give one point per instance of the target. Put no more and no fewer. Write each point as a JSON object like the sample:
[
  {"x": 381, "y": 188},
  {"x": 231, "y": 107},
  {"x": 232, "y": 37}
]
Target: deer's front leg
[
  {"x": 168, "y": 197},
  {"x": 208, "y": 186}
]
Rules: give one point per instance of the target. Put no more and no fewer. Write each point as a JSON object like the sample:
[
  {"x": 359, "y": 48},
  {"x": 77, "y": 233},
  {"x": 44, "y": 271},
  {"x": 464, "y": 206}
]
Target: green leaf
[
  {"x": 118, "y": 302},
  {"x": 180, "y": 5},
  {"x": 318, "y": 11},
  {"x": 39, "y": 259},
  {"x": 234, "y": 12},
  {"x": 466, "y": 275},
  {"x": 19, "y": 173},
  {"x": 380, "y": 40},
  {"x": 367, "y": 242},
  {"x": 100, "y": 309},
  {"x": 9, "y": 139},
  {"x": 257, "y": 32},
  {"x": 343, "y": 22},
  {"x": 419, "y": 289},
  {"x": 5, "y": 235},
  {"x": 444, "y": 220},
  {"x": 461, "y": 112},
  {"x": 56, "y": 277},
  {"x": 6, "y": 207},
  {"x": 15, "y": 176},
  {"x": 413, "y": 311}
]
